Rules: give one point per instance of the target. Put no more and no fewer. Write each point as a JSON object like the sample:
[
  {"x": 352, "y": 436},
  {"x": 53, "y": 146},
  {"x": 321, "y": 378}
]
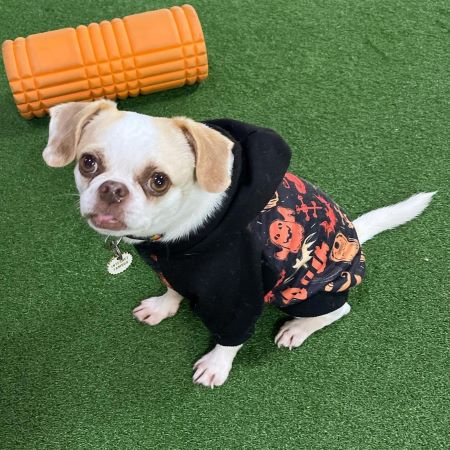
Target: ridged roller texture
[{"x": 138, "y": 54}]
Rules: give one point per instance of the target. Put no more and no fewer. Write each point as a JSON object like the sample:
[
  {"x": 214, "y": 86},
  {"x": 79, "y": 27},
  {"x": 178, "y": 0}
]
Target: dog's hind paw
[{"x": 294, "y": 332}]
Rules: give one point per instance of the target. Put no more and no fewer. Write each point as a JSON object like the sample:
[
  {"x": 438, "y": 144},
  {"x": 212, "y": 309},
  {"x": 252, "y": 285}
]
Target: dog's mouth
[{"x": 106, "y": 222}]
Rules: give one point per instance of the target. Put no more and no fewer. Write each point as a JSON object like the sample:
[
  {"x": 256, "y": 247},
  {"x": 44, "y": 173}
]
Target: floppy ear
[
  {"x": 212, "y": 154},
  {"x": 66, "y": 125}
]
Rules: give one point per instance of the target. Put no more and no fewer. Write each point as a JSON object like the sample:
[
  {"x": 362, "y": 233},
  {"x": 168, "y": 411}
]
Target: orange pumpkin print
[{"x": 286, "y": 234}]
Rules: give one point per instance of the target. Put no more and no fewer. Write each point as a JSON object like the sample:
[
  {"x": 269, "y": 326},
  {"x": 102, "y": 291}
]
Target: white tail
[{"x": 370, "y": 224}]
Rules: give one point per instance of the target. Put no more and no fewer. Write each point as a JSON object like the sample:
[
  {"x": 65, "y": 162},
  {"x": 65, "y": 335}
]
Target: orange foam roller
[{"x": 138, "y": 54}]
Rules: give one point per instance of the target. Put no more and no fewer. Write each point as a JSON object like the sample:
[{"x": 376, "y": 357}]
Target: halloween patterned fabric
[{"x": 309, "y": 242}]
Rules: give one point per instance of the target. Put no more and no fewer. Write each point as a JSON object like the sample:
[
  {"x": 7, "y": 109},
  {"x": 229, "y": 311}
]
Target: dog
[{"x": 212, "y": 209}]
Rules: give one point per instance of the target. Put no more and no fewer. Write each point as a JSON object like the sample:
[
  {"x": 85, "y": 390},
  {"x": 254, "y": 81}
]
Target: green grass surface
[{"x": 360, "y": 89}]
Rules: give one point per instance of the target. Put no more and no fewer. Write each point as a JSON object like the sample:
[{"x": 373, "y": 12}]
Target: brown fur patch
[
  {"x": 212, "y": 153},
  {"x": 67, "y": 122}
]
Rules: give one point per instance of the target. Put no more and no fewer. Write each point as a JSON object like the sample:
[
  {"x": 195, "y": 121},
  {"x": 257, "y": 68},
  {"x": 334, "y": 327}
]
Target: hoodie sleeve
[{"x": 230, "y": 290}]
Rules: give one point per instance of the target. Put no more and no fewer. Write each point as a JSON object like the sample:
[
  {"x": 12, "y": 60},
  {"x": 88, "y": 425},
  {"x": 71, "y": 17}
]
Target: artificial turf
[{"x": 360, "y": 89}]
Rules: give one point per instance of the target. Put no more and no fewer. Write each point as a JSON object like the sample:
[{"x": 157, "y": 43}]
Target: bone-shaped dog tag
[{"x": 118, "y": 265}]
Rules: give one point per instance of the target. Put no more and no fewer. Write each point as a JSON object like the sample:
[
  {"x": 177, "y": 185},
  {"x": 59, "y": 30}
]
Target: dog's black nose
[{"x": 112, "y": 191}]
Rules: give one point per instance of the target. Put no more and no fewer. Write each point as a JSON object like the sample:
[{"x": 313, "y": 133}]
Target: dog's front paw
[
  {"x": 155, "y": 309},
  {"x": 213, "y": 368}
]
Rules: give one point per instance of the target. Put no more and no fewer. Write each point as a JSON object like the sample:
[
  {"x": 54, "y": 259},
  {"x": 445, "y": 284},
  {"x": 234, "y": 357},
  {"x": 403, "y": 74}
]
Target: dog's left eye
[
  {"x": 158, "y": 183},
  {"x": 88, "y": 164}
]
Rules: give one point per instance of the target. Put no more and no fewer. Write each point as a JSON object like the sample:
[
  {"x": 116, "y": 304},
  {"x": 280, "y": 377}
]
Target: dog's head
[{"x": 140, "y": 175}]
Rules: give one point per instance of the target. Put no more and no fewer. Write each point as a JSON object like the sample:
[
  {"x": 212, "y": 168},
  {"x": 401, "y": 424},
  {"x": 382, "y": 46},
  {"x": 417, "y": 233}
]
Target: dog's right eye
[{"x": 88, "y": 164}]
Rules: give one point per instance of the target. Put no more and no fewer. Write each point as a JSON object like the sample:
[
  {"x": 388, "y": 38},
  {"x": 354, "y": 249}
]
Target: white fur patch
[{"x": 128, "y": 145}]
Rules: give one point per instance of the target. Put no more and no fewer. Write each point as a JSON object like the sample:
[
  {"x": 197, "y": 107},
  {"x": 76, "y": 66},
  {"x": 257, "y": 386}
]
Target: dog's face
[{"x": 140, "y": 175}]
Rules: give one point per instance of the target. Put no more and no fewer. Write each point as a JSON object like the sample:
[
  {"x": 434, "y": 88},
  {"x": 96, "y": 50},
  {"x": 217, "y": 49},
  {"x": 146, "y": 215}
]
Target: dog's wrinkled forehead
[{"x": 130, "y": 143}]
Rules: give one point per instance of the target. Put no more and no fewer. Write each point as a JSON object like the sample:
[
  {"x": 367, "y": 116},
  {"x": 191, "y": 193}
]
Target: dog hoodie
[{"x": 276, "y": 239}]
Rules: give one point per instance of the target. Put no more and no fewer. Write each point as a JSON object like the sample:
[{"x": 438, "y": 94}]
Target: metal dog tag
[
  {"x": 121, "y": 261},
  {"x": 119, "y": 264}
]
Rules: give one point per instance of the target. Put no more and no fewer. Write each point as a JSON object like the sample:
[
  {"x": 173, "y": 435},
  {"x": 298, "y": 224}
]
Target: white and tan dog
[{"x": 142, "y": 176}]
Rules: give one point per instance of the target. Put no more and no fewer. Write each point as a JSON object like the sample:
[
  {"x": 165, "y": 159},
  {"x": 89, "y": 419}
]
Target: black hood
[{"x": 261, "y": 158}]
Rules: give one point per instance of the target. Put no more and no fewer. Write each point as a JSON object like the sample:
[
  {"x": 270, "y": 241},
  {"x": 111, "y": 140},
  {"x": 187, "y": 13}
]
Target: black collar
[{"x": 154, "y": 238}]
